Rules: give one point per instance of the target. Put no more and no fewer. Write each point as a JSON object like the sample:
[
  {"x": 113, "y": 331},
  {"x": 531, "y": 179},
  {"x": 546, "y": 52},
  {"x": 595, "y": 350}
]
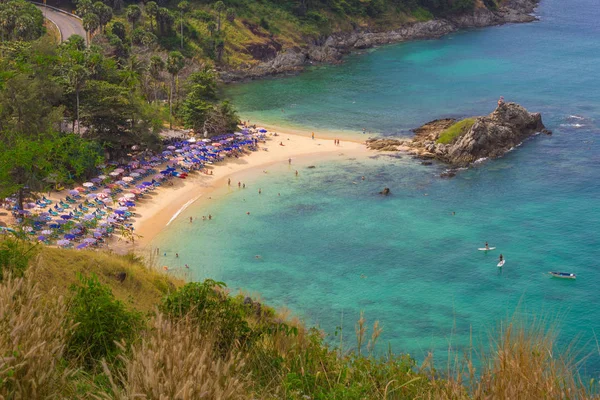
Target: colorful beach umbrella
[{"x": 87, "y": 184}]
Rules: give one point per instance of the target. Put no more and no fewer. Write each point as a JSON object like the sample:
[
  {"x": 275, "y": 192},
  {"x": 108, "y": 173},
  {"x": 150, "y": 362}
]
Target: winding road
[{"x": 68, "y": 24}]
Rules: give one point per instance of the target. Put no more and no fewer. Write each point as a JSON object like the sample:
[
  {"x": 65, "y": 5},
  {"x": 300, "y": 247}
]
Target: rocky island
[{"x": 461, "y": 143}]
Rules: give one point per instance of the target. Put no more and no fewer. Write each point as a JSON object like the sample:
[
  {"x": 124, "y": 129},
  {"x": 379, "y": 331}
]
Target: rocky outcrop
[
  {"x": 488, "y": 137},
  {"x": 334, "y": 47}
]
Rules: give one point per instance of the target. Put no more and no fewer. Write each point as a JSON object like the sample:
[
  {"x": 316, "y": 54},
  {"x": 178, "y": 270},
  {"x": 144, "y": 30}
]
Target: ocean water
[{"x": 330, "y": 246}]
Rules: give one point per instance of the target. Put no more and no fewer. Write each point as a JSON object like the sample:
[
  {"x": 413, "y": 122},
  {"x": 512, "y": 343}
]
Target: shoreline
[
  {"x": 334, "y": 48},
  {"x": 157, "y": 210}
]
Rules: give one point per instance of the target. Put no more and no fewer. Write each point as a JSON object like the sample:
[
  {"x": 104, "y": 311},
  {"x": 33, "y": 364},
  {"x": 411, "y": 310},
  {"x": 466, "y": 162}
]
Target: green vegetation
[
  {"x": 456, "y": 130},
  {"x": 127, "y": 331},
  {"x": 101, "y": 322}
]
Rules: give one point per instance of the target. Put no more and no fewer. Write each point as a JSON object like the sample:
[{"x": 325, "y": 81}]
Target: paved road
[{"x": 67, "y": 24}]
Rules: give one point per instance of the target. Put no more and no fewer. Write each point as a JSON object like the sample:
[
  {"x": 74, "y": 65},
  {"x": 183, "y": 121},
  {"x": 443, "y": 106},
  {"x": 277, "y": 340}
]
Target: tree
[
  {"x": 30, "y": 105},
  {"x": 175, "y": 64},
  {"x": 76, "y": 77},
  {"x": 164, "y": 20},
  {"x": 200, "y": 109},
  {"x": 152, "y": 10},
  {"x": 115, "y": 119},
  {"x": 133, "y": 14},
  {"x": 183, "y": 7},
  {"x": 91, "y": 23},
  {"x": 20, "y": 20},
  {"x": 230, "y": 15},
  {"x": 104, "y": 14},
  {"x": 156, "y": 67},
  {"x": 219, "y": 8},
  {"x": 212, "y": 27},
  {"x": 84, "y": 7},
  {"x": 118, "y": 29},
  {"x": 29, "y": 162}
]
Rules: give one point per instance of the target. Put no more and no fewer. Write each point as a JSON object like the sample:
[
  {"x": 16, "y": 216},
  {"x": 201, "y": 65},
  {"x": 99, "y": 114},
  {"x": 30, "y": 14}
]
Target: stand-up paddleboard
[
  {"x": 501, "y": 263},
  {"x": 488, "y": 249}
]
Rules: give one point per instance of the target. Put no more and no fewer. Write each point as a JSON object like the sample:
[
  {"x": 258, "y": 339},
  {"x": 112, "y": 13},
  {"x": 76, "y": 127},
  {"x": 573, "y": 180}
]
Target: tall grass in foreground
[
  {"x": 174, "y": 361},
  {"x": 522, "y": 362},
  {"x": 33, "y": 336}
]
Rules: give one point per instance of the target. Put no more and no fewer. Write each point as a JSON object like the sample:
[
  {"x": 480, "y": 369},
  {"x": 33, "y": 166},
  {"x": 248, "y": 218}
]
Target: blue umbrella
[
  {"x": 263, "y": 131},
  {"x": 120, "y": 212},
  {"x": 82, "y": 246},
  {"x": 41, "y": 238},
  {"x": 65, "y": 217},
  {"x": 69, "y": 236},
  {"x": 147, "y": 183}
]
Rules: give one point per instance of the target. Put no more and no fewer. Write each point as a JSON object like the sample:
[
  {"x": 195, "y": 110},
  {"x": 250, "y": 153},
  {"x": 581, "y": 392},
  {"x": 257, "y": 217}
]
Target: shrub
[
  {"x": 455, "y": 131},
  {"x": 422, "y": 14},
  {"x": 102, "y": 321},
  {"x": 15, "y": 254},
  {"x": 212, "y": 310}
]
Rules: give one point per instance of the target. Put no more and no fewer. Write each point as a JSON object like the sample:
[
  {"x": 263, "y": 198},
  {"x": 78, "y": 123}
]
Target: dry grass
[
  {"x": 173, "y": 361},
  {"x": 521, "y": 363},
  {"x": 143, "y": 288},
  {"x": 33, "y": 334}
]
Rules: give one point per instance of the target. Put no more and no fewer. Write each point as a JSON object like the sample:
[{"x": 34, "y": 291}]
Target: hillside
[
  {"x": 253, "y": 39},
  {"x": 88, "y": 324}
]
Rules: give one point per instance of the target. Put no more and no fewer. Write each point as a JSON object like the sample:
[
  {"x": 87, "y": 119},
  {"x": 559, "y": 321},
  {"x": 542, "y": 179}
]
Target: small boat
[{"x": 563, "y": 275}]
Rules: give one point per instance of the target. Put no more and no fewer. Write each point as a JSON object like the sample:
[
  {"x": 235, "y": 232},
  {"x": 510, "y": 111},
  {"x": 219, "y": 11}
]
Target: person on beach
[
  {"x": 209, "y": 217},
  {"x": 289, "y": 160},
  {"x": 157, "y": 253},
  {"x": 187, "y": 266},
  {"x": 176, "y": 255},
  {"x": 281, "y": 144},
  {"x": 204, "y": 218},
  {"x": 259, "y": 191},
  {"x": 244, "y": 186},
  {"x": 296, "y": 172},
  {"x": 362, "y": 179},
  {"x": 313, "y": 136},
  {"x": 229, "y": 182},
  {"x": 191, "y": 219},
  {"x": 247, "y": 212},
  {"x": 239, "y": 184}
]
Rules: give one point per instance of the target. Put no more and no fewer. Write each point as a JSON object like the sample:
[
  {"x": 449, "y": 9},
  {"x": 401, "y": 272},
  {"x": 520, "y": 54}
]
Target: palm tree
[
  {"x": 157, "y": 65},
  {"x": 133, "y": 14},
  {"x": 91, "y": 22},
  {"x": 212, "y": 27},
  {"x": 152, "y": 10},
  {"x": 77, "y": 76},
  {"x": 175, "y": 64},
  {"x": 230, "y": 14},
  {"x": 183, "y": 6},
  {"x": 104, "y": 13},
  {"x": 219, "y": 7}
]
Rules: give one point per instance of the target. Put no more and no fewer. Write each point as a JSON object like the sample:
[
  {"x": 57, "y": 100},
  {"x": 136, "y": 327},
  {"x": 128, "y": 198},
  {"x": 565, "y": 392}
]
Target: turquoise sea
[{"x": 330, "y": 246}]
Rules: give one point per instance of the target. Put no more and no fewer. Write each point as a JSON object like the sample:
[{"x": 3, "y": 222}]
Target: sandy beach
[{"x": 157, "y": 210}]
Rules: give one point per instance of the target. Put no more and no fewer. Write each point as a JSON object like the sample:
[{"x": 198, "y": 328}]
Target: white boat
[{"x": 563, "y": 275}]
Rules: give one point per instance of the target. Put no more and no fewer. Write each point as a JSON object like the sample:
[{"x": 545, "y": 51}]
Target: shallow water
[{"x": 329, "y": 245}]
